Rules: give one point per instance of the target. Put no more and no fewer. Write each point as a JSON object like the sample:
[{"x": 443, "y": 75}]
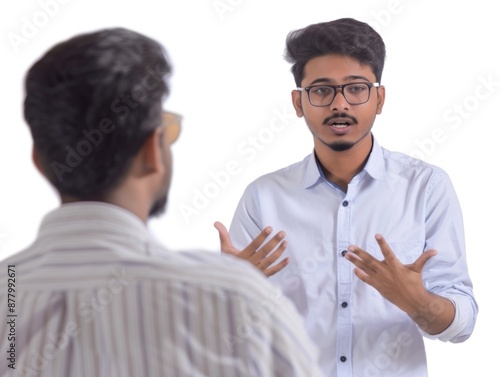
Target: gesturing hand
[
  {"x": 399, "y": 283},
  {"x": 261, "y": 257},
  {"x": 403, "y": 286}
]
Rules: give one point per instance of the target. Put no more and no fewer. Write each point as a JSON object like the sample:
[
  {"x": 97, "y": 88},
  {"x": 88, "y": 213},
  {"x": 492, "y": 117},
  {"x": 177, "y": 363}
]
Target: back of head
[
  {"x": 344, "y": 36},
  {"x": 91, "y": 102}
]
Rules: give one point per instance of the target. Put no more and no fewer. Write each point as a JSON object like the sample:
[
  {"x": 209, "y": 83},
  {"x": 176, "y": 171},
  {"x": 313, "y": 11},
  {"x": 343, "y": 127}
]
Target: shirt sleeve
[
  {"x": 246, "y": 223},
  {"x": 293, "y": 352},
  {"x": 446, "y": 274}
]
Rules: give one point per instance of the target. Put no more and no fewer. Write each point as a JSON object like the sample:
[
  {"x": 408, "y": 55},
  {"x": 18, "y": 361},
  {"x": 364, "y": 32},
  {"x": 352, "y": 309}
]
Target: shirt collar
[
  {"x": 312, "y": 175},
  {"x": 375, "y": 167},
  {"x": 80, "y": 218}
]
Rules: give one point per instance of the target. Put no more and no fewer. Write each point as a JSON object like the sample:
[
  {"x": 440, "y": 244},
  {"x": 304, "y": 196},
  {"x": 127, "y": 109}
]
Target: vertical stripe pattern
[{"x": 97, "y": 296}]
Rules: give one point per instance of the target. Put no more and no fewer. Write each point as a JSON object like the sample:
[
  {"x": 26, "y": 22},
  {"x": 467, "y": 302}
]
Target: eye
[
  {"x": 321, "y": 90},
  {"x": 356, "y": 88}
]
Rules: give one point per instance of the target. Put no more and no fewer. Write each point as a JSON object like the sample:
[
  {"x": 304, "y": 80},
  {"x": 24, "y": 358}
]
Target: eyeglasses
[
  {"x": 172, "y": 123},
  {"x": 354, "y": 93}
]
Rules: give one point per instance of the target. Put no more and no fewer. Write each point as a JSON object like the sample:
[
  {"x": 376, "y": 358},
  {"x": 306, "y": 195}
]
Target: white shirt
[
  {"x": 95, "y": 295},
  {"x": 413, "y": 205}
]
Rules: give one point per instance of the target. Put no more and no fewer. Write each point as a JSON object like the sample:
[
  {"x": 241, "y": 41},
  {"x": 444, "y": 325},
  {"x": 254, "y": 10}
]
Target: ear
[
  {"x": 149, "y": 157},
  {"x": 297, "y": 102},
  {"x": 380, "y": 98}
]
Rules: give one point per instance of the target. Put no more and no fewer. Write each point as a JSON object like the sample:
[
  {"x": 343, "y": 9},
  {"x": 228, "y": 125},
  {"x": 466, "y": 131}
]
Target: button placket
[{"x": 344, "y": 273}]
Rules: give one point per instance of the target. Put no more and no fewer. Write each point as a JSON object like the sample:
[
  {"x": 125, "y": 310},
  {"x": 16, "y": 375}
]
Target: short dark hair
[
  {"x": 345, "y": 36},
  {"x": 91, "y": 102}
]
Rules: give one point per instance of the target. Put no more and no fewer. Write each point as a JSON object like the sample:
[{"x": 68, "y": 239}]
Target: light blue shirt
[{"x": 413, "y": 205}]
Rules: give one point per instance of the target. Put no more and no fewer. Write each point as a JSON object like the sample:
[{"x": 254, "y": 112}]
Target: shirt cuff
[{"x": 458, "y": 324}]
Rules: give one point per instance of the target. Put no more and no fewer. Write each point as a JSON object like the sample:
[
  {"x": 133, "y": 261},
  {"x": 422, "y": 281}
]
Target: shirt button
[
  {"x": 343, "y": 359},
  {"x": 344, "y": 252},
  {"x": 344, "y": 304},
  {"x": 345, "y": 203}
]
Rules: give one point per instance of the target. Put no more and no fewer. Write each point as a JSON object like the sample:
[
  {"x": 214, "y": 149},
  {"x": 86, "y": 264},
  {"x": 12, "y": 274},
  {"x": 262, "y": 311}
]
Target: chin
[{"x": 340, "y": 146}]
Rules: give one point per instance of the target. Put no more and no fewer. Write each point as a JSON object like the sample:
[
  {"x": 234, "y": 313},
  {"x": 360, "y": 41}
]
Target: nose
[{"x": 339, "y": 102}]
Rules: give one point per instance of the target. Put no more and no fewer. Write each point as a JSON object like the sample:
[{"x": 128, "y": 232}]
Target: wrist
[{"x": 433, "y": 314}]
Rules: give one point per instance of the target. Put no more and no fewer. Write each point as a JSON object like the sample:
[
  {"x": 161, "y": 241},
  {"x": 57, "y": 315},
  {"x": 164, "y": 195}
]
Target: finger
[
  {"x": 226, "y": 245},
  {"x": 363, "y": 276},
  {"x": 268, "y": 247},
  {"x": 387, "y": 252},
  {"x": 278, "y": 267},
  {"x": 272, "y": 257},
  {"x": 361, "y": 259},
  {"x": 419, "y": 264},
  {"x": 367, "y": 268},
  {"x": 252, "y": 248}
]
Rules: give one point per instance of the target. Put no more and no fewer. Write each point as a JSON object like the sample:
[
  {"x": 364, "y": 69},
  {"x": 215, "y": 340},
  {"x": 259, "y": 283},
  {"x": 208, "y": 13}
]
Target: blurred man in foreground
[{"x": 95, "y": 294}]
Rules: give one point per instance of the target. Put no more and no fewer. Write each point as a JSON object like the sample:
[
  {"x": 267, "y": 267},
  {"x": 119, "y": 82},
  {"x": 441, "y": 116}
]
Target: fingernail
[
  {"x": 281, "y": 234},
  {"x": 268, "y": 230},
  {"x": 378, "y": 236}
]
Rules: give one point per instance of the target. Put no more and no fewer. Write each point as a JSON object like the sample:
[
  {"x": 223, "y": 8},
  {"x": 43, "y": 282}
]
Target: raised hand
[
  {"x": 403, "y": 285},
  {"x": 261, "y": 255}
]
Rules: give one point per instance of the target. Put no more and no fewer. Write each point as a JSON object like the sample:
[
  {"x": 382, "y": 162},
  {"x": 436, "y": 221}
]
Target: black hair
[
  {"x": 345, "y": 36},
  {"x": 91, "y": 102}
]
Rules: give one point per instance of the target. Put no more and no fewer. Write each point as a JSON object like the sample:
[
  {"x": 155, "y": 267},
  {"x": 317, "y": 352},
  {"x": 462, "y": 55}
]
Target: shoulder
[
  {"x": 403, "y": 165},
  {"x": 225, "y": 279},
  {"x": 192, "y": 268},
  {"x": 210, "y": 270},
  {"x": 289, "y": 174},
  {"x": 408, "y": 162}
]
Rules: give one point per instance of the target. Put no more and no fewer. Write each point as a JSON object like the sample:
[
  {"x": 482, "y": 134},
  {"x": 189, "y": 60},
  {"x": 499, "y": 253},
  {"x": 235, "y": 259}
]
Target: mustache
[{"x": 340, "y": 115}]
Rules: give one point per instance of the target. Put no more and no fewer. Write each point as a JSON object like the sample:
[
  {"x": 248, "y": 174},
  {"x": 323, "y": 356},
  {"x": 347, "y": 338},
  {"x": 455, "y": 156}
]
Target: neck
[
  {"x": 127, "y": 199},
  {"x": 341, "y": 167}
]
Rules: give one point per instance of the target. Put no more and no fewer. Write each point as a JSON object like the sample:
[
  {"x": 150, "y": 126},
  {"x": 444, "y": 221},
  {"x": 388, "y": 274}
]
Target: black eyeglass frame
[{"x": 370, "y": 85}]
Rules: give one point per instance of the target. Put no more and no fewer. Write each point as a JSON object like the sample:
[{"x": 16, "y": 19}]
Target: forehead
[{"x": 336, "y": 69}]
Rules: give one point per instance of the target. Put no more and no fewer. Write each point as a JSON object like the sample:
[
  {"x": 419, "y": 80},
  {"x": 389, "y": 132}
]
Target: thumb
[
  {"x": 226, "y": 245},
  {"x": 419, "y": 264}
]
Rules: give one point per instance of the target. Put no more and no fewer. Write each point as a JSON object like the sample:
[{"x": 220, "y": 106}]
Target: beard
[
  {"x": 160, "y": 204},
  {"x": 343, "y": 145},
  {"x": 158, "y": 207},
  {"x": 340, "y": 146}
]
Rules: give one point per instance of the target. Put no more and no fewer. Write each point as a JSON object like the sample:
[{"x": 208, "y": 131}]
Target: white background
[{"x": 230, "y": 82}]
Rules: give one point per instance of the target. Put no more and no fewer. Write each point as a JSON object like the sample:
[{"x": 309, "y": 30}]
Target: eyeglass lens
[{"x": 353, "y": 93}]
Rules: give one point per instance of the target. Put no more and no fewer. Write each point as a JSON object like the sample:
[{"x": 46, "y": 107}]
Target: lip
[
  {"x": 348, "y": 121},
  {"x": 343, "y": 125},
  {"x": 340, "y": 130}
]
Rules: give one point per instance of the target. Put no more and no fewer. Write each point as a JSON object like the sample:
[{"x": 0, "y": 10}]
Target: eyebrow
[{"x": 347, "y": 78}]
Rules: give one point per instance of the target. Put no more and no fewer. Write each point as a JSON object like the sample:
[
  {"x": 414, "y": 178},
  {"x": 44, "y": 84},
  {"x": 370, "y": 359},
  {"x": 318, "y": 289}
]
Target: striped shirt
[{"x": 96, "y": 295}]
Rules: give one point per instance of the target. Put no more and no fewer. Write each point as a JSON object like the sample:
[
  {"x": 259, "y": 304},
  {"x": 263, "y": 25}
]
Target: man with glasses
[
  {"x": 96, "y": 294},
  {"x": 376, "y": 253}
]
